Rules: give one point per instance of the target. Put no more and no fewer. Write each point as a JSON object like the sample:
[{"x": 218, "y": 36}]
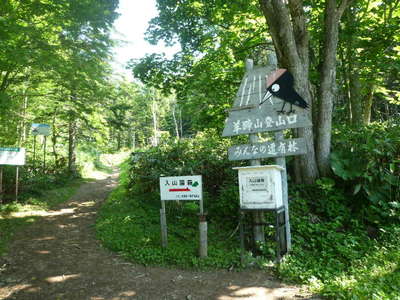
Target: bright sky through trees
[{"x": 130, "y": 28}]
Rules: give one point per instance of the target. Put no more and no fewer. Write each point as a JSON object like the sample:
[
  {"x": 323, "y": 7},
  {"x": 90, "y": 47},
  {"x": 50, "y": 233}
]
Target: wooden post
[
  {"x": 16, "y": 184},
  {"x": 203, "y": 236},
  {"x": 203, "y": 248},
  {"x": 281, "y": 161},
  {"x": 258, "y": 216},
  {"x": 241, "y": 231},
  {"x": 163, "y": 222},
  {"x": 1, "y": 184}
]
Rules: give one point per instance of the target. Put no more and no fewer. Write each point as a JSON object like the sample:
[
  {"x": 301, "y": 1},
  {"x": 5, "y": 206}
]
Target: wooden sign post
[
  {"x": 258, "y": 216},
  {"x": 44, "y": 130},
  {"x": 258, "y": 108},
  {"x": 183, "y": 188},
  {"x": 12, "y": 157}
]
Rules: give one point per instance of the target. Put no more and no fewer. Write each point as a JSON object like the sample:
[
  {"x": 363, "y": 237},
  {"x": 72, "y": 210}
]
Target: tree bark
[
  {"x": 175, "y": 121},
  {"x": 155, "y": 123},
  {"x": 72, "y": 131},
  {"x": 291, "y": 41},
  {"x": 355, "y": 98},
  {"x": 327, "y": 88},
  {"x": 368, "y": 105}
]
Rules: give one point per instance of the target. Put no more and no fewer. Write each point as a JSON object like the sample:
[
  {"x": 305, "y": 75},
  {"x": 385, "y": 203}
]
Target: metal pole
[
  {"x": 16, "y": 184},
  {"x": 34, "y": 151},
  {"x": 44, "y": 154},
  {"x": 281, "y": 161},
  {"x": 258, "y": 216}
]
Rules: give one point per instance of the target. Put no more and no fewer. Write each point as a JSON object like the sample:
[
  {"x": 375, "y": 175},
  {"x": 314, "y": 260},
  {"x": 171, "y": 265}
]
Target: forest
[{"x": 344, "y": 192}]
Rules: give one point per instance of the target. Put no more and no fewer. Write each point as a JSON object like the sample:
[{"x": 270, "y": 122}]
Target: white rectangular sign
[
  {"x": 181, "y": 188},
  {"x": 40, "y": 129},
  {"x": 12, "y": 156},
  {"x": 260, "y": 187}
]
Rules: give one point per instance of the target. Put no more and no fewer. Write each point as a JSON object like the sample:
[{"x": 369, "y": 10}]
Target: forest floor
[{"x": 58, "y": 257}]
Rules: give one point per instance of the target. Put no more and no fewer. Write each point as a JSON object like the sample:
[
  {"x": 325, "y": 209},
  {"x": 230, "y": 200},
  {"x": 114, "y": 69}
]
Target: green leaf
[{"x": 357, "y": 189}]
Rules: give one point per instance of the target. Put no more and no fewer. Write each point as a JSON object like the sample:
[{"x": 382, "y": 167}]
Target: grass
[
  {"x": 332, "y": 254},
  {"x": 132, "y": 228}
]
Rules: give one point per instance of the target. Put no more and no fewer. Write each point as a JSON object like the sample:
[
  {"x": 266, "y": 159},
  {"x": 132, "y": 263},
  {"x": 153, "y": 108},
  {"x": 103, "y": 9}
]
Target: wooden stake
[
  {"x": 203, "y": 236},
  {"x": 163, "y": 222}
]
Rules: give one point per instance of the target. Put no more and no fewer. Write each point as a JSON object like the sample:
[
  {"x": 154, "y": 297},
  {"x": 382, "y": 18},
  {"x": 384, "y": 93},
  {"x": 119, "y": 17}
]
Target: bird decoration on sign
[{"x": 280, "y": 84}]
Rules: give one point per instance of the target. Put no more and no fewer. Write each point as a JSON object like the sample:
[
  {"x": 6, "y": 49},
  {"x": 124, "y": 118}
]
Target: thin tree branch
[{"x": 342, "y": 8}]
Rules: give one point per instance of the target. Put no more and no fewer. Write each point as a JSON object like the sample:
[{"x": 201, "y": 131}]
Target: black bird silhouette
[{"x": 280, "y": 84}]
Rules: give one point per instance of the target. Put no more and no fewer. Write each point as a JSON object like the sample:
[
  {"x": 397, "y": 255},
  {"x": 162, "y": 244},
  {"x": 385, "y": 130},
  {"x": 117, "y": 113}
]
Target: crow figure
[{"x": 280, "y": 84}]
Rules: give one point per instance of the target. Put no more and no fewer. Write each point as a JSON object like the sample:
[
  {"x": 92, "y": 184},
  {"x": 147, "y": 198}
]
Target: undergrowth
[
  {"x": 345, "y": 229},
  {"x": 132, "y": 228}
]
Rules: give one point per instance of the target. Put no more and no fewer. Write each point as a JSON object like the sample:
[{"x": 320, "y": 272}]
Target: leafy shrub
[
  {"x": 205, "y": 154},
  {"x": 368, "y": 160},
  {"x": 333, "y": 251}
]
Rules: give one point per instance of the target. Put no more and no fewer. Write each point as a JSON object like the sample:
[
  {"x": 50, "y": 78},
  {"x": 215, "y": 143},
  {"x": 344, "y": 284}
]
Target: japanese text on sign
[
  {"x": 268, "y": 122},
  {"x": 12, "y": 156},
  {"x": 268, "y": 149},
  {"x": 181, "y": 188}
]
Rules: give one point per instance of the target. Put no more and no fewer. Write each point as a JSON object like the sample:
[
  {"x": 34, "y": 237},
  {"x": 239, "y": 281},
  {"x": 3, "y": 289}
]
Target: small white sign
[
  {"x": 260, "y": 187},
  {"x": 40, "y": 129},
  {"x": 181, "y": 188},
  {"x": 12, "y": 156}
]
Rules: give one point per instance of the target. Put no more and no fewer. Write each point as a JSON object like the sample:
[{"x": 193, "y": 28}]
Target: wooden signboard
[
  {"x": 264, "y": 118},
  {"x": 251, "y": 114},
  {"x": 268, "y": 149},
  {"x": 252, "y": 87}
]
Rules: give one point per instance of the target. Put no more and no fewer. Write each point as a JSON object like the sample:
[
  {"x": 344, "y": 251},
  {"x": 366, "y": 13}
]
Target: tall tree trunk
[
  {"x": 175, "y": 120},
  {"x": 368, "y": 105},
  {"x": 119, "y": 140},
  {"x": 287, "y": 26},
  {"x": 72, "y": 131},
  {"x": 23, "y": 124},
  {"x": 327, "y": 87},
  {"x": 155, "y": 123},
  {"x": 355, "y": 98},
  {"x": 54, "y": 138}
]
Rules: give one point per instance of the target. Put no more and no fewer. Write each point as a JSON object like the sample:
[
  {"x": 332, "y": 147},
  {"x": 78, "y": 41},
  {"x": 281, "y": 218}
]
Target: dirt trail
[{"x": 59, "y": 258}]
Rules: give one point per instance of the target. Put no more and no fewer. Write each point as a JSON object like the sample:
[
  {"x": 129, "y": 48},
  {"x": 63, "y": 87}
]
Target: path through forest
[{"x": 58, "y": 257}]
